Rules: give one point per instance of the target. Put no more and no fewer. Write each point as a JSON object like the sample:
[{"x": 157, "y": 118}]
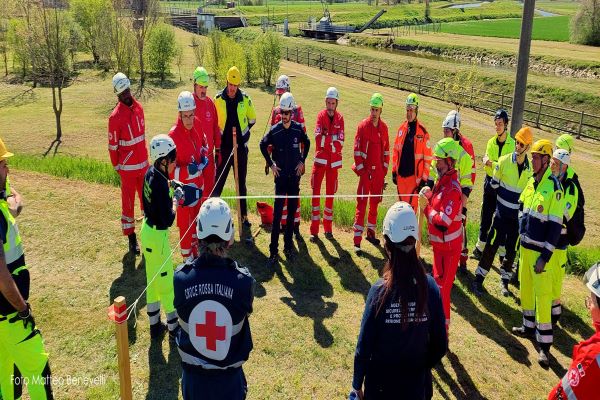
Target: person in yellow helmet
[
  {"x": 21, "y": 342},
  {"x": 509, "y": 179},
  {"x": 235, "y": 110},
  {"x": 543, "y": 205}
]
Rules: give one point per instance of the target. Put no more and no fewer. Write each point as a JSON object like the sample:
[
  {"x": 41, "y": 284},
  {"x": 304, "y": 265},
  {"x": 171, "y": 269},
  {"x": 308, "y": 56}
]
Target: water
[
  {"x": 543, "y": 13},
  {"x": 470, "y": 5}
]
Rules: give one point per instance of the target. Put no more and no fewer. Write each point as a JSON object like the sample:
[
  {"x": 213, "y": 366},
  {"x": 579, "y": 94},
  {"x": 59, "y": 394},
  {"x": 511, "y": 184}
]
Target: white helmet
[
  {"x": 452, "y": 120},
  {"x": 332, "y": 93},
  {"x": 120, "y": 82},
  {"x": 562, "y": 155},
  {"x": 400, "y": 222},
  {"x": 160, "y": 146},
  {"x": 214, "y": 218},
  {"x": 287, "y": 103},
  {"x": 185, "y": 101},
  {"x": 282, "y": 85}
]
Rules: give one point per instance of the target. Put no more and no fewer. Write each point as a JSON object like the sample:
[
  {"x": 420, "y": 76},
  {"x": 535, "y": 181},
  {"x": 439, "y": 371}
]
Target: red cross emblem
[{"x": 210, "y": 330}]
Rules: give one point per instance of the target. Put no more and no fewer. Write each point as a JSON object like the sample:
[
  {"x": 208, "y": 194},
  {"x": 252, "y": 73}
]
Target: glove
[
  {"x": 192, "y": 168},
  {"x": 179, "y": 195},
  {"x": 425, "y": 192},
  {"x": 267, "y": 169},
  {"x": 395, "y": 178},
  {"x": 203, "y": 163},
  {"x": 26, "y": 316},
  {"x": 421, "y": 185}
]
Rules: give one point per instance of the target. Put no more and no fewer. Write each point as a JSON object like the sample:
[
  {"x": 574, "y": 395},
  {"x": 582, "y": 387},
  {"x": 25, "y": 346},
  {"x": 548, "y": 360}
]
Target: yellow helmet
[
  {"x": 4, "y": 153},
  {"x": 543, "y": 147},
  {"x": 234, "y": 76}
]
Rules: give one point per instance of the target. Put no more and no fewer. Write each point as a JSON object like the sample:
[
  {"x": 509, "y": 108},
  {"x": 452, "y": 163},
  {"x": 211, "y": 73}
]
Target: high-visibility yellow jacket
[
  {"x": 493, "y": 152},
  {"x": 246, "y": 117}
]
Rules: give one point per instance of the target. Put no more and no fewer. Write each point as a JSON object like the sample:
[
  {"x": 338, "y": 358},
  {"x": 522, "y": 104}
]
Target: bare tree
[
  {"x": 122, "y": 39},
  {"x": 145, "y": 16}
]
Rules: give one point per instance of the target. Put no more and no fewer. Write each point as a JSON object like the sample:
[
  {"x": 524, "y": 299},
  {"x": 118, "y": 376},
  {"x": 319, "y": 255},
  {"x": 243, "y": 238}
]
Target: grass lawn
[
  {"x": 544, "y": 28},
  {"x": 558, "y": 6}
]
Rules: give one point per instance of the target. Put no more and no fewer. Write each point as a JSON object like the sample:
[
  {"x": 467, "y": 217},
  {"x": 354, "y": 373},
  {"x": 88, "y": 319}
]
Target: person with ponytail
[{"x": 402, "y": 334}]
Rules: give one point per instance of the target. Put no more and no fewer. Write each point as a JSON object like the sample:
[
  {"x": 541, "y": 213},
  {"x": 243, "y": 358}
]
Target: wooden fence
[{"x": 536, "y": 113}]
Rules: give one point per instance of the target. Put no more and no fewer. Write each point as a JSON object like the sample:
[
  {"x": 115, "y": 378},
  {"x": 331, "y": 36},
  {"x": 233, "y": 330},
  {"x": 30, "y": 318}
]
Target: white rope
[{"x": 133, "y": 305}]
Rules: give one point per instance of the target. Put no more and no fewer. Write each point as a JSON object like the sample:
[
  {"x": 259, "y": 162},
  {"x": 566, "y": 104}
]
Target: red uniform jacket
[
  {"x": 207, "y": 122},
  {"x": 582, "y": 380},
  {"x": 371, "y": 147},
  {"x": 444, "y": 213},
  {"x": 329, "y": 140},
  {"x": 468, "y": 146},
  {"x": 127, "y": 139},
  {"x": 423, "y": 153},
  {"x": 191, "y": 146}
]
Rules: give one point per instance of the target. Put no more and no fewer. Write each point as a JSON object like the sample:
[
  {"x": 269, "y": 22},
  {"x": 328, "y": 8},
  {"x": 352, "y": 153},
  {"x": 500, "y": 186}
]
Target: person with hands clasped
[
  {"x": 287, "y": 162},
  {"x": 442, "y": 207},
  {"x": 402, "y": 334}
]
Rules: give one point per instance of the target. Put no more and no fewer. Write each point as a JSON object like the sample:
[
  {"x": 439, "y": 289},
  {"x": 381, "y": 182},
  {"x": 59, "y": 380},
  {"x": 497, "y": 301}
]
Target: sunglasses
[{"x": 286, "y": 112}]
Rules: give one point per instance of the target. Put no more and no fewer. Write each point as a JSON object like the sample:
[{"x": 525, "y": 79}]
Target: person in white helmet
[
  {"x": 192, "y": 152},
  {"x": 329, "y": 141},
  {"x": 574, "y": 202},
  {"x": 281, "y": 87},
  {"x": 402, "y": 334},
  {"x": 160, "y": 204},
  {"x": 290, "y": 149},
  {"x": 128, "y": 153},
  {"x": 213, "y": 298}
]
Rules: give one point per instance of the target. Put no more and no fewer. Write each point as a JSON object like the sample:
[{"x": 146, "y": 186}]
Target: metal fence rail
[{"x": 536, "y": 113}]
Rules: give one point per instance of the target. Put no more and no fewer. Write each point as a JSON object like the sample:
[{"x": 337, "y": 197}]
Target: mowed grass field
[
  {"x": 544, "y": 28},
  {"x": 307, "y": 312}
]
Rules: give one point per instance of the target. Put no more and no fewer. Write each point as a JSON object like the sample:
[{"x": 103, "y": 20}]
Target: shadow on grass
[
  {"x": 163, "y": 382},
  {"x": 308, "y": 289},
  {"x": 130, "y": 284},
  {"x": 488, "y": 326},
  {"x": 351, "y": 277},
  {"x": 463, "y": 388}
]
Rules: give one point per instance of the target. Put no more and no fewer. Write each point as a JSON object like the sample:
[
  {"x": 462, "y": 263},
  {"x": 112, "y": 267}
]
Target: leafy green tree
[
  {"x": 93, "y": 17},
  {"x": 268, "y": 56},
  {"x": 585, "y": 25},
  {"x": 162, "y": 50}
]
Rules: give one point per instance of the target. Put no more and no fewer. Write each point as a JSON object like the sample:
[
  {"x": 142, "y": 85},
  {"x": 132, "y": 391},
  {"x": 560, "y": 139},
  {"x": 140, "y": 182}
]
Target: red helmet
[{"x": 266, "y": 212}]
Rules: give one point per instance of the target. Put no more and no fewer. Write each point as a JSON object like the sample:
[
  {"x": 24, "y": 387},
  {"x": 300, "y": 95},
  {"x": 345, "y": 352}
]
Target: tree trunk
[
  {"x": 57, "y": 106},
  {"x": 5, "y": 63},
  {"x": 141, "y": 55}
]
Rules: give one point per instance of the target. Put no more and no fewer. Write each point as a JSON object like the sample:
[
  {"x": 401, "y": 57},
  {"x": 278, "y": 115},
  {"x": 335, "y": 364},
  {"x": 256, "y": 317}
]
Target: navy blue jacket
[
  {"x": 287, "y": 149},
  {"x": 400, "y": 360},
  {"x": 158, "y": 200},
  {"x": 213, "y": 298}
]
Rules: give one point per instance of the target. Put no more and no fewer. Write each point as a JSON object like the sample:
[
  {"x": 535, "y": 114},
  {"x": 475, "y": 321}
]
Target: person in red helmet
[
  {"x": 207, "y": 123},
  {"x": 128, "y": 153},
  {"x": 371, "y": 158},
  {"x": 281, "y": 87},
  {"x": 192, "y": 150},
  {"x": 442, "y": 207},
  {"x": 329, "y": 141}
]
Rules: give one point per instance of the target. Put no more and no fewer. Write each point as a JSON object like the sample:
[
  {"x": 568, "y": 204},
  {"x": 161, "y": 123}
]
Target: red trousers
[
  {"x": 208, "y": 174},
  {"x": 445, "y": 264},
  {"x": 285, "y": 213},
  {"x": 186, "y": 218},
  {"x": 331, "y": 185},
  {"x": 368, "y": 184},
  {"x": 130, "y": 184},
  {"x": 406, "y": 186}
]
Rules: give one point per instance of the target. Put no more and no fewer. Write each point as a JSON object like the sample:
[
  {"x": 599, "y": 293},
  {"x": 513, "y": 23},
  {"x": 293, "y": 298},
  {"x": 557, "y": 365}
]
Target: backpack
[{"x": 576, "y": 225}]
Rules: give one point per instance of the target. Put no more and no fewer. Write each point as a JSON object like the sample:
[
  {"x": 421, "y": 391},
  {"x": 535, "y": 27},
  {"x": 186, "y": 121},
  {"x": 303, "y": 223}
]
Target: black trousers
[
  {"x": 223, "y": 173},
  {"x": 284, "y": 186},
  {"x": 504, "y": 231},
  {"x": 227, "y": 384},
  {"x": 488, "y": 206}
]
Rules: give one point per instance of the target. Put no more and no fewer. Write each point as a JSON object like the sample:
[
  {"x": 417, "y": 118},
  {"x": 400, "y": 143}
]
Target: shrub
[{"x": 162, "y": 49}]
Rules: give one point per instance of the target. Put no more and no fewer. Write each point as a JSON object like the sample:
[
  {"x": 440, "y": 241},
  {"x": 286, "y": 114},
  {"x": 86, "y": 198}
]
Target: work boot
[
  {"x": 521, "y": 331},
  {"x": 372, "y": 239},
  {"x": 504, "y": 287},
  {"x": 544, "y": 358},
  {"x": 357, "y": 249},
  {"x": 157, "y": 330},
  {"x": 173, "y": 334},
  {"x": 476, "y": 254},
  {"x": 134, "y": 247},
  {"x": 313, "y": 238},
  {"x": 477, "y": 286},
  {"x": 328, "y": 235}
]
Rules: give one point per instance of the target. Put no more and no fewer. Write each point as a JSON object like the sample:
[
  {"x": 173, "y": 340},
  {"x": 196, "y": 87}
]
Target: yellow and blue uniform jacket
[
  {"x": 493, "y": 152},
  {"x": 509, "y": 184},
  {"x": 543, "y": 208}
]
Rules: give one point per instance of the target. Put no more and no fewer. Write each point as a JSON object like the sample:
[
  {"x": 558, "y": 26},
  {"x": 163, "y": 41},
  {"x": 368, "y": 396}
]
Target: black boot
[
  {"x": 134, "y": 247},
  {"x": 157, "y": 330},
  {"x": 476, "y": 254},
  {"x": 477, "y": 286},
  {"x": 504, "y": 287}
]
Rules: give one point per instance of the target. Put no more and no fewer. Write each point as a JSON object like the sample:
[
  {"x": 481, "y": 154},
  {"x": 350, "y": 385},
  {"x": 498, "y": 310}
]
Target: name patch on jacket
[{"x": 205, "y": 289}]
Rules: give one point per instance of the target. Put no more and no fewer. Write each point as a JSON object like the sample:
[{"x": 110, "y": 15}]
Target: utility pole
[{"x": 522, "y": 66}]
